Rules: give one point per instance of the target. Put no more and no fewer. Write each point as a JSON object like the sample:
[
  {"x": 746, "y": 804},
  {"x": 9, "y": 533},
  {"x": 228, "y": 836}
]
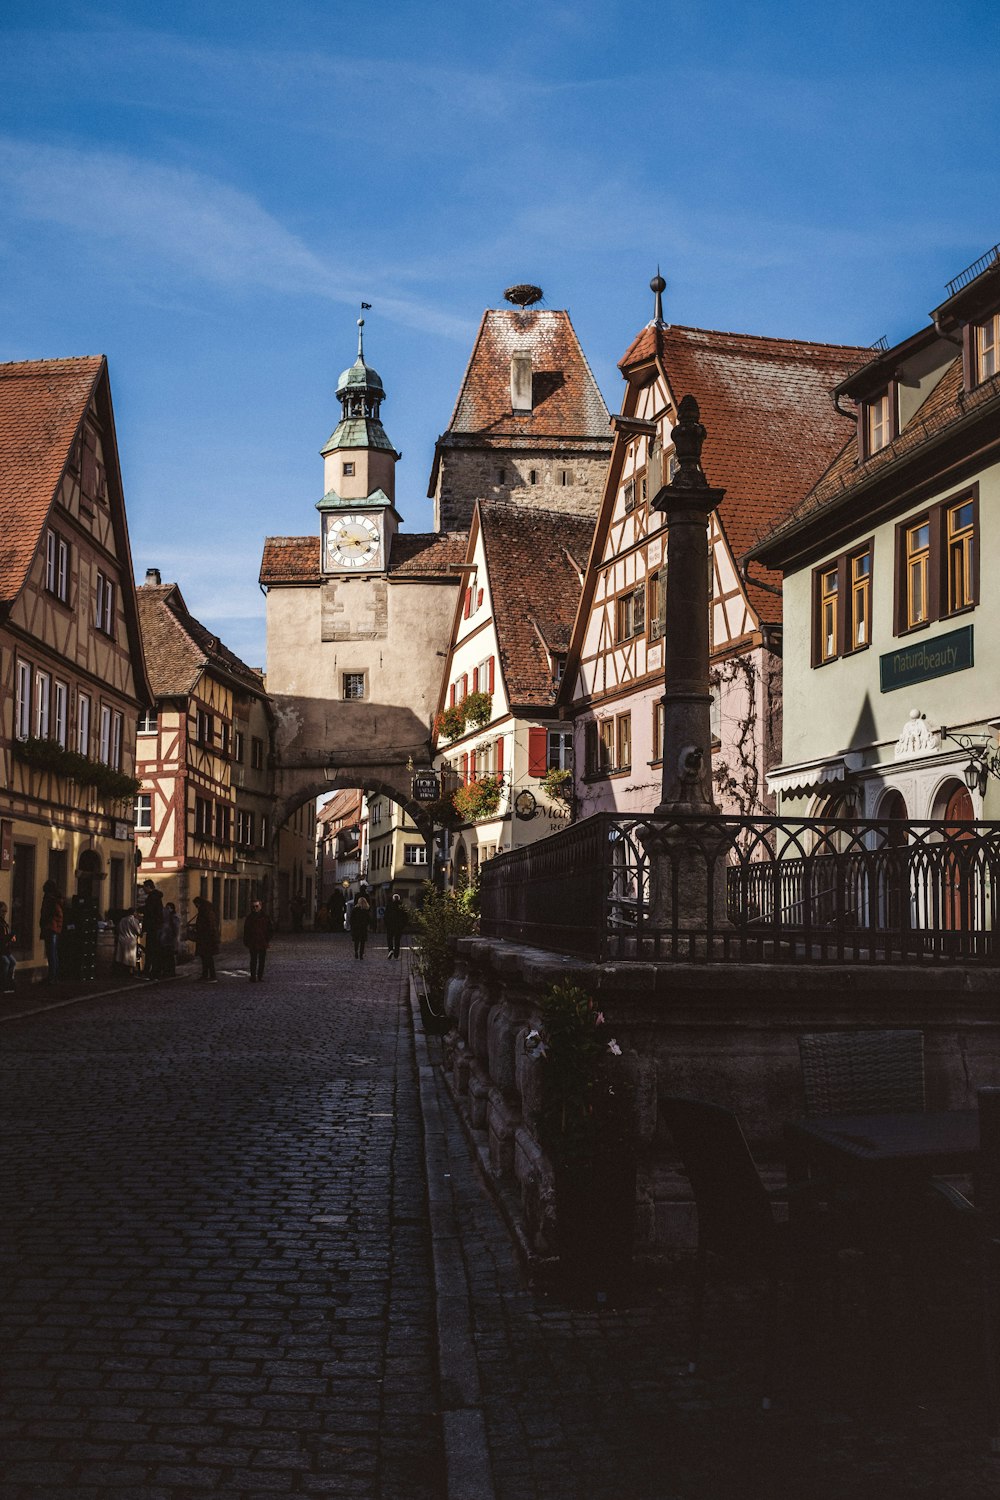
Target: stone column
[{"x": 687, "y": 864}]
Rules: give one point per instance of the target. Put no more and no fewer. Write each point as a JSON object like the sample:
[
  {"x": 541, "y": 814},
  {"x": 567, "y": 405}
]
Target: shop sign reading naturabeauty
[{"x": 924, "y": 659}]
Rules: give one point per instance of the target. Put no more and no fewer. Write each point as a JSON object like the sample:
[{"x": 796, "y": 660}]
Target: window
[
  {"x": 414, "y": 854},
  {"x": 501, "y": 476},
  {"x": 104, "y": 752},
  {"x": 623, "y": 738},
  {"x": 878, "y": 422},
  {"x": 629, "y": 495},
  {"x": 565, "y": 477},
  {"x": 639, "y": 609},
  {"x": 532, "y": 476},
  {"x": 226, "y": 734},
  {"x": 239, "y": 748},
  {"x": 56, "y": 565},
  {"x": 60, "y": 708},
  {"x": 938, "y": 563},
  {"x": 348, "y": 469},
  {"x": 144, "y": 812},
  {"x": 23, "y": 705},
  {"x": 148, "y": 721},
  {"x": 205, "y": 728},
  {"x": 229, "y": 900},
  {"x": 203, "y": 817},
  {"x": 117, "y": 729},
  {"x": 376, "y": 812},
  {"x": 43, "y": 689},
  {"x": 658, "y": 730},
  {"x": 656, "y": 603},
  {"x": 244, "y": 828},
  {"x": 842, "y": 605},
  {"x": 256, "y": 754},
  {"x": 623, "y": 617},
  {"x": 104, "y": 605},
  {"x": 354, "y": 684},
  {"x": 987, "y": 347},
  {"x": 83, "y": 723},
  {"x": 606, "y": 747},
  {"x": 559, "y": 756}
]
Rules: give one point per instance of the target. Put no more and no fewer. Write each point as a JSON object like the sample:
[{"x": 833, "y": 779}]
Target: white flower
[{"x": 614, "y": 1048}]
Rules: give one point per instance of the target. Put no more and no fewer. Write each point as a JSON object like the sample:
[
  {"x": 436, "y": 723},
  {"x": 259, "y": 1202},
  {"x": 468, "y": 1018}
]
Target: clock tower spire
[{"x": 359, "y": 472}]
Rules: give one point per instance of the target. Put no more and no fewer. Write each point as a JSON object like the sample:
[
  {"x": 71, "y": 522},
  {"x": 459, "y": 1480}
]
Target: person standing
[
  {"x": 50, "y": 926},
  {"x": 152, "y": 921},
  {"x": 258, "y": 930},
  {"x": 359, "y": 925},
  {"x": 7, "y": 960},
  {"x": 395, "y": 922},
  {"x": 170, "y": 936},
  {"x": 297, "y": 907},
  {"x": 206, "y": 937},
  {"x": 127, "y": 945}
]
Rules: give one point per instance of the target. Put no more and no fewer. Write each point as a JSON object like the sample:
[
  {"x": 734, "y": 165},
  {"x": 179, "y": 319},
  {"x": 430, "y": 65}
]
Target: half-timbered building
[
  {"x": 203, "y": 816},
  {"x": 71, "y": 662},
  {"x": 772, "y": 429},
  {"x": 503, "y": 752}
]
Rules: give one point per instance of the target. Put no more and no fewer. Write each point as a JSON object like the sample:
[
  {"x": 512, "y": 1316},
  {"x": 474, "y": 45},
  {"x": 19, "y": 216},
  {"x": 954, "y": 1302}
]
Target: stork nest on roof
[{"x": 523, "y": 295}]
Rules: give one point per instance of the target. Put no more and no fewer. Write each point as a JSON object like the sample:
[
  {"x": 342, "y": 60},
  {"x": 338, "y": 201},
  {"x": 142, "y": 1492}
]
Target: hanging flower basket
[{"x": 478, "y": 799}]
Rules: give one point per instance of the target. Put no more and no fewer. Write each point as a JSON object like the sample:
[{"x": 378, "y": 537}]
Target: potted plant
[
  {"x": 478, "y": 708},
  {"x": 585, "y": 1127},
  {"x": 558, "y": 784},
  {"x": 478, "y": 799},
  {"x": 451, "y": 721}
]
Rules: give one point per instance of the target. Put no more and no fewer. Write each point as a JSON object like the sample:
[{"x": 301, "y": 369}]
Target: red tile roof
[
  {"x": 945, "y": 404},
  {"x": 532, "y": 559},
  {"x": 432, "y": 554},
  {"x": 766, "y": 404},
  {"x": 566, "y": 402},
  {"x": 179, "y": 648},
  {"x": 42, "y": 403},
  {"x": 343, "y": 804}
]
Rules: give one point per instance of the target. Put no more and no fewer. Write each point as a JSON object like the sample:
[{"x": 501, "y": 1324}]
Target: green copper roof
[
  {"x": 332, "y": 501},
  {"x": 358, "y": 432},
  {"x": 360, "y": 375}
]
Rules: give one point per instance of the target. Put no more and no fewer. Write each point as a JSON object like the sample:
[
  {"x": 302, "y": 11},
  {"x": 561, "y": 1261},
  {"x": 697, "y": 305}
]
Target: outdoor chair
[
  {"x": 862, "y": 1072},
  {"x": 736, "y": 1218}
]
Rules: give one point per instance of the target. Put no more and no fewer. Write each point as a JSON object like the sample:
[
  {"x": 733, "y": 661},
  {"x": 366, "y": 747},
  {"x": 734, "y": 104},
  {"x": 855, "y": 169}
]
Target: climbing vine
[{"x": 739, "y": 782}]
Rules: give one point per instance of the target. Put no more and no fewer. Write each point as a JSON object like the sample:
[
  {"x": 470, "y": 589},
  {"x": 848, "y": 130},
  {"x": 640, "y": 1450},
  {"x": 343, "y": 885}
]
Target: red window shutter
[
  {"x": 465, "y": 684},
  {"x": 490, "y": 689},
  {"x": 451, "y": 696},
  {"x": 499, "y": 756},
  {"x": 538, "y": 742},
  {"x": 479, "y": 599},
  {"x": 465, "y": 768},
  {"x": 468, "y": 603},
  {"x": 475, "y": 679}
]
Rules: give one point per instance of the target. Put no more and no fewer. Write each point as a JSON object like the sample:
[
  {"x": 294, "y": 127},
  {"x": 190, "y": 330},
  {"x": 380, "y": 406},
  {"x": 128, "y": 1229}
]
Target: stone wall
[
  {"x": 469, "y": 474},
  {"x": 716, "y": 1032}
]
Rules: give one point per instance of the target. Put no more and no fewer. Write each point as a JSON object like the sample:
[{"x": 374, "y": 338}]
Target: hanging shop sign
[{"x": 424, "y": 787}]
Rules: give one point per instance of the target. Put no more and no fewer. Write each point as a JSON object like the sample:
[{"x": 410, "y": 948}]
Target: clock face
[{"x": 352, "y": 541}]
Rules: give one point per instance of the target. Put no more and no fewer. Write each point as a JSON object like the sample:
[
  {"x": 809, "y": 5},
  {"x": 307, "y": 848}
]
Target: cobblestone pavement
[
  {"x": 215, "y": 1253},
  {"x": 219, "y": 1279}
]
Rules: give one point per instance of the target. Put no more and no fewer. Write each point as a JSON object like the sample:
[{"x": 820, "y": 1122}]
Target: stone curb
[{"x": 468, "y": 1472}]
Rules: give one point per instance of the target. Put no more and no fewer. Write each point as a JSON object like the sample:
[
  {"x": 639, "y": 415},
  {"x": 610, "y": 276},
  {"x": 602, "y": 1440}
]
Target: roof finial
[
  {"x": 365, "y": 307},
  {"x": 658, "y": 286}
]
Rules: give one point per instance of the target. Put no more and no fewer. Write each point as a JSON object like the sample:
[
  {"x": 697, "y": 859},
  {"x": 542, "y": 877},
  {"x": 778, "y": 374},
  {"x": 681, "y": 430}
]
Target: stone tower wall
[{"x": 466, "y": 475}]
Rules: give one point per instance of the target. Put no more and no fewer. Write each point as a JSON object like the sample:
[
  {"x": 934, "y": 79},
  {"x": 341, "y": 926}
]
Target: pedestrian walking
[
  {"x": 170, "y": 938},
  {"x": 127, "y": 944},
  {"x": 258, "y": 930},
  {"x": 152, "y": 921},
  {"x": 395, "y": 924},
  {"x": 359, "y": 925},
  {"x": 206, "y": 937},
  {"x": 7, "y": 959},
  {"x": 50, "y": 926}
]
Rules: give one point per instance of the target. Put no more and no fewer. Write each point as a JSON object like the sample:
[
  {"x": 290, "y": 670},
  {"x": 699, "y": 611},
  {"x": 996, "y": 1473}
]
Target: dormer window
[
  {"x": 878, "y": 422},
  {"x": 986, "y": 337}
]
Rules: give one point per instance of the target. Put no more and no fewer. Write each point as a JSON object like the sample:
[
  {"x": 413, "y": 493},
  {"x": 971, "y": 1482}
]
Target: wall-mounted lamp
[{"x": 983, "y": 761}]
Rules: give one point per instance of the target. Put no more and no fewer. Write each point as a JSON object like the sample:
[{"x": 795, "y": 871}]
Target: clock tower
[{"x": 358, "y": 512}]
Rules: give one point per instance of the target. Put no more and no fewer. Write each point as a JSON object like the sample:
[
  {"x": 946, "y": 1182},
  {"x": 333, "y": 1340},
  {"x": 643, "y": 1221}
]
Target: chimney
[
  {"x": 153, "y": 576},
  {"x": 520, "y": 380}
]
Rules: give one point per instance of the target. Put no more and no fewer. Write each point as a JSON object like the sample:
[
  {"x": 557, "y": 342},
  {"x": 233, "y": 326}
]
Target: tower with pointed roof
[{"x": 530, "y": 423}]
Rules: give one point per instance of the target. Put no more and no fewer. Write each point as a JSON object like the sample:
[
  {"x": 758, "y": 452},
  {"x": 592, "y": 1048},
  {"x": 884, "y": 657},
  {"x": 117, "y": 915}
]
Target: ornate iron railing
[{"x": 765, "y": 890}]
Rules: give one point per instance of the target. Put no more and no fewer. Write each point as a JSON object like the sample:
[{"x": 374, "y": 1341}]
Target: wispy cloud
[{"x": 171, "y": 219}]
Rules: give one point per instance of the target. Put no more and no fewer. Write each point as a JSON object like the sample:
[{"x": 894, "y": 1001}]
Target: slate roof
[
  {"x": 179, "y": 648},
  {"x": 566, "y": 402},
  {"x": 427, "y": 554},
  {"x": 532, "y": 560},
  {"x": 767, "y": 407},
  {"x": 42, "y": 403}
]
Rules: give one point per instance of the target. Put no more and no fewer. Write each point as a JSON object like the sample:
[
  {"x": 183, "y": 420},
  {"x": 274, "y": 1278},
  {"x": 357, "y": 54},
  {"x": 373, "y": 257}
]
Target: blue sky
[{"x": 205, "y": 192}]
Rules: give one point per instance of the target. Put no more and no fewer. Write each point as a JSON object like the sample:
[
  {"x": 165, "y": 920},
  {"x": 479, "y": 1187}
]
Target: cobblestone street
[{"x": 234, "y": 1217}]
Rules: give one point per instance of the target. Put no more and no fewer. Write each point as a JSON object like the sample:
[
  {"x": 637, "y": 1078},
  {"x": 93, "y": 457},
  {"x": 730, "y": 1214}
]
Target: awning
[{"x": 812, "y": 775}]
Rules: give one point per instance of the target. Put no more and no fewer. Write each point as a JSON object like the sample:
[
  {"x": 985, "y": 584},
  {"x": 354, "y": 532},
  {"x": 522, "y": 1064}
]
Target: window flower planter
[
  {"x": 47, "y": 755},
  {"x": 479, "y": 799}
]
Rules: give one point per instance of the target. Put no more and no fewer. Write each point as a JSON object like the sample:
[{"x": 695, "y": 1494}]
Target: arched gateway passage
[{"x": 300, "y": 786}]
